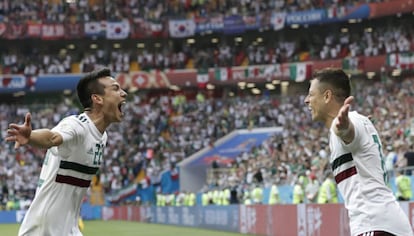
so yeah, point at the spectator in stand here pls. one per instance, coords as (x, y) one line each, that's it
(327, 191)
(403, 183)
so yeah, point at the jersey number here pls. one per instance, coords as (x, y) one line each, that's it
(98, 154)
(376, 140)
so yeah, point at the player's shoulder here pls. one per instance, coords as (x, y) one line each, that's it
(355, 116)
(75, 121)
(80, 118)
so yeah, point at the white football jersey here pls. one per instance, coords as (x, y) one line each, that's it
(65, 177)
(360, 174)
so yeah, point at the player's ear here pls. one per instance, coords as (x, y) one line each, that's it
(96, 99)
(327, 95)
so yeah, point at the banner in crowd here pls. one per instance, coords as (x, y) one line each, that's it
(182, 28)
(324, 16)
(202, 77)
(234, 24)
(253, 73)
(305, 17)
(117, 30)
(268, 220)
(53, 83)
(212, 24)
(278, 20)
(3, 28)
(143, 80)
(345, 13)
(300, 72)
(253, 22)
(222, 75)
(141, 28)
(15, 31)
(52, 31)
(45, 31)
(12, 83)
(224, 218)
(404, 60)
(122, 193)
(95, 28)
(74, 31)
(34, 29)
(387, 8)
(353, 65)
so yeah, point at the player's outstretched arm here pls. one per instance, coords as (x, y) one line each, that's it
(343, 126)
(23, 134)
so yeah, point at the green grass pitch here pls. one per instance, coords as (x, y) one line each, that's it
(124, 228)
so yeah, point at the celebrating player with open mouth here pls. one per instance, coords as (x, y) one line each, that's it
(75, 149)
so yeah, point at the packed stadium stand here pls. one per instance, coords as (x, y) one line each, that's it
(176, 112)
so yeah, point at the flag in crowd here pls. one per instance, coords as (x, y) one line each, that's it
(352, 64)
(278, 20)
(95, 28)
(404, 61)
(336, 12)
(223, 74)
(140, 27)
(253, 71)
(202, 77)
(181, 28)
(300, 71)
(123, 193)
(117, 30)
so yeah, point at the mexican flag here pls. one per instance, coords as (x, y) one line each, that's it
(300, 71)
(252, 72)
(223, 74)
(123, 193)
(403, 61)
(202, 77)
(351, 64)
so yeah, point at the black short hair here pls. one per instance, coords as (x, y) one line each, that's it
(336, 80)
(89, 85)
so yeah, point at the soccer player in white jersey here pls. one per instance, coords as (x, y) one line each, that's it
(75, 147)
(356, 158)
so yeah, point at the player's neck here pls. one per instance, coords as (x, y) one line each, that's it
(98, 119)
(330, 117)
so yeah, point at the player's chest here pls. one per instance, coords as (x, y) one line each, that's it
(91, 154)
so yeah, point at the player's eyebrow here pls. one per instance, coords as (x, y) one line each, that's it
(115, 85)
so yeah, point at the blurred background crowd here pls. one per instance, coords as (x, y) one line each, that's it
(175, 130)
(266, 46)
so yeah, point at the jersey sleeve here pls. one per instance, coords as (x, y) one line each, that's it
(359, 130)
(358, 127)
(69, 128)
(72, 133)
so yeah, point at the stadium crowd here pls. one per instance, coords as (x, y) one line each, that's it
(362, 42)
(160, 131)
(385, 36)
(96, 10)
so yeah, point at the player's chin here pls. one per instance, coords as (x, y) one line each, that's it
(119, 117)
(314, 117)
